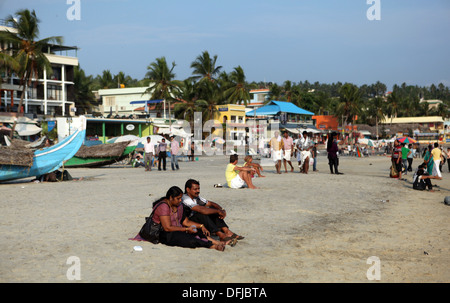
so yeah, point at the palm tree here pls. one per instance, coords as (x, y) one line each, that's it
(349, 99)
(238, 92)
(162, 83)
(186, 110)
(211, 97)
(84, 97)
(376, 110)
(394, 101)
(7, 62)
(26, 49)
(205, 67)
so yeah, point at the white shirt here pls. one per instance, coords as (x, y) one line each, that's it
(149, 147)
(304, 143)
(189, 202)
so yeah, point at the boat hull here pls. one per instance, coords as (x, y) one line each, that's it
(97, 162)
(47, 159)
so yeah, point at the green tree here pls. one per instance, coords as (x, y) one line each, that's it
(205, 67)
(239, 91)
(349, 103)
(27, 49)
(84, 97)
(162, 83)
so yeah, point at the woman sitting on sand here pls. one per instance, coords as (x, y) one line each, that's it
(178, 230)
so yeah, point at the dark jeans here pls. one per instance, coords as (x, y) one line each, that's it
(333, 163)
(212, 222)
(410, 160)
(162, 158)
(183, 239)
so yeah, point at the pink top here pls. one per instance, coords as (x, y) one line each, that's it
(288, 143)
(164, 210)
(174, 147)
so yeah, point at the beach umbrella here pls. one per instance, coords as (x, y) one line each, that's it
(406, 140)
(218, 140)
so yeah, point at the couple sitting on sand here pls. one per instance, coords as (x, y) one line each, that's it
(241, 176)
(188, 220)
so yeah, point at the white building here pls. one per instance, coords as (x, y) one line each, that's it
(50, 94)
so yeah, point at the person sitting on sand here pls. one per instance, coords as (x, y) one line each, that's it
(177, 230)
(249, 163)
(208, 213)
(238, 176)
(421, 179)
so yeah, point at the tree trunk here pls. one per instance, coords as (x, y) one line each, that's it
(18, 112)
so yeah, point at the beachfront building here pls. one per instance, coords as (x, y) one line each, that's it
(49, 95)
(425, 129)
(231, 119)
(283, 116)
(132, 102)
(258, 98)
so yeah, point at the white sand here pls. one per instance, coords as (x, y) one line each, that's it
(298, 228)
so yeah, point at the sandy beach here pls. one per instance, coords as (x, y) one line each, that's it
(298, 228)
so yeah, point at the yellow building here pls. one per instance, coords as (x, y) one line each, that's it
(232, 118)
(231, 113)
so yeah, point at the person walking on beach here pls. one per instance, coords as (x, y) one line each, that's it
(208, 213)
(314, 153)
(162, 154)
(332, 150)
(410, 157)
(405, 153)
(288, 150)
(437, 158)
(276, 144)
(428, 160)
(448, 158)
(149, 149)
(174, 148)
(396, 158)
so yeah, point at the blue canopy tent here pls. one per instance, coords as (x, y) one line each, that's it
(276, 107)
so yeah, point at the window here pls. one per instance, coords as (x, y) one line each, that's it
(109, 101)
(54, 92)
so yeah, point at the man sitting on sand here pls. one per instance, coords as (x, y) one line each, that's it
(249, 163)
(421, 179)
(238, 176)
(208, 213)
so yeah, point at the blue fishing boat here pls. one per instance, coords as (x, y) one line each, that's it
(47, 159)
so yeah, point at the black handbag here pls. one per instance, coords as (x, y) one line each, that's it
(150, 230)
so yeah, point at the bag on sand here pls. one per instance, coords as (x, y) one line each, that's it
(393, 173)
(150, 230)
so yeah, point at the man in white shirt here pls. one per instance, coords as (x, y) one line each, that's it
(149, 149)
(207, 213)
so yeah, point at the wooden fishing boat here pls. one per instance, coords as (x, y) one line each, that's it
(102, 154)
(24, 163)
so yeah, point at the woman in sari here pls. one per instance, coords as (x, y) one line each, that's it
(428, 160)
(177, 230)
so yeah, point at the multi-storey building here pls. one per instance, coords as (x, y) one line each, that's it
(51, 94)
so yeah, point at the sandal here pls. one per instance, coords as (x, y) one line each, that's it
(237, 236)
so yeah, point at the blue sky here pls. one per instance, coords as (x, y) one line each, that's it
(322, 40)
